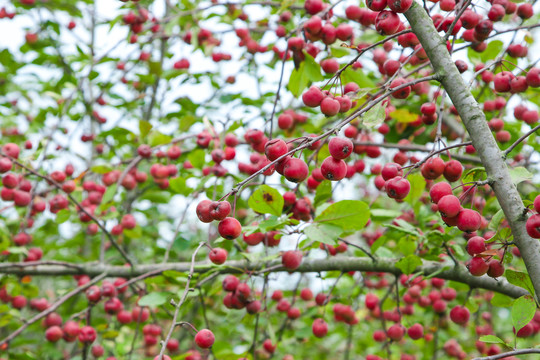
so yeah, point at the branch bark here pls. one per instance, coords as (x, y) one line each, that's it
(343, 264)
(510, 353)
(475, 122)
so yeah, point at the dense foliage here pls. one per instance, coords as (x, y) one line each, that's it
(258, 179)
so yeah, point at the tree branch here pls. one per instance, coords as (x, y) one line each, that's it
(412, 147)
(510, 353)
(344, 264)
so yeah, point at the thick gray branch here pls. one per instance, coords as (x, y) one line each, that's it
(475, 122)
(343, 264)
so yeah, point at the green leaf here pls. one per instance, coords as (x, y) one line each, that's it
(299, 80)
(383, 252)
(375, 116)
(492, 339)
(17, 250)
(347, 214)
(109, 194)
(62, 216)
(154, 299)
(407, 246)
(266, 200)
(357, 76)
(418, 184)
(178, 185)
(196, 158)
(474, 174)
(160, 197)
(144, 128)
(520, 174)
(186, 122)
(520, 279)
(312, 69)
(325, 233)
(472, 304)
(338, 52)
(501, 300)
(101, 169)
(522, 311)
(384, 213)
(269, 224)
(323, 192)
(403, 116)
(408, 264)
(403, 226)
(135, 233)
(496, 220)
(492, 50)
(157, 138)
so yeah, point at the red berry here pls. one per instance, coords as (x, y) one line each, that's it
(477, 266)
(340, 148)
(496, 268)
(230, 283)
(476, 245)
(453, 170)
(229, 228)
(319, 328)
(460, 315)
(54, 333)
(93, 293)
(313, 97)
(268, 346)
(218, 256)
(203, 211)
(275, 148)
(295, 170)
(291, 259)
(330, 106)
(396, 332)
(398, 188)
(333, 169)
(416, 331)
(87, 335)
(433, 168)
(219, 210)
(449, 206)
(399, 6)
(533, 226)
(204, 338)
(469, 220)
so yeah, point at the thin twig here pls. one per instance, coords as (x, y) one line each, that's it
(181, 302)
(510, 353)
(516, 143)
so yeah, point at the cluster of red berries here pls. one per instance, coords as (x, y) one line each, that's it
(506, 81)
(5, 14)
(529, 116)
(479, 29)
(451, 211)
(228, 227)
(329, 104)
(392, 181)
(15, 188)
(239, 295)
(334, 250)
(251, 44)
(289, 118)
